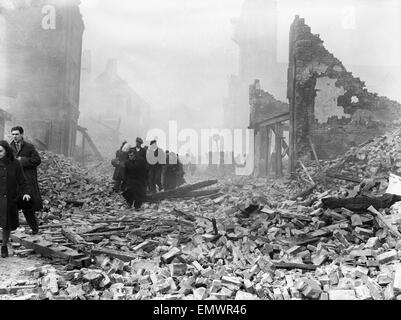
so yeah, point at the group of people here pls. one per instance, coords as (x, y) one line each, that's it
(19, 188)
(141, 170)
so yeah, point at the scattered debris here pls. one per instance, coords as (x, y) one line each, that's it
(249, 242)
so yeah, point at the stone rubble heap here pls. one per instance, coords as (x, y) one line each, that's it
(266, 246)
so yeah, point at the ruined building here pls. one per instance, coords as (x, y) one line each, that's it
(270, 122)
(110, 109)
(329, 109)
(40, 58)
(327, 103)
(255, 34)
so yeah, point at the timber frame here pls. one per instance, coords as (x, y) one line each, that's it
(265, 128)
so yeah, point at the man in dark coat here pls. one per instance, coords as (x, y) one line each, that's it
(118, 163)
(137, 174)
(139, 151)
(13, 186)
(155, 159)
(29, 159)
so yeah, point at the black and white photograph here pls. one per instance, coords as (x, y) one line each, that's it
(200, 155)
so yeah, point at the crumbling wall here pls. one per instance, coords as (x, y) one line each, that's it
(263, 106)
(327, 102)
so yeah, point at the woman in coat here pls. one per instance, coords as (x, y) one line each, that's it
(136, 173)
(12, 185)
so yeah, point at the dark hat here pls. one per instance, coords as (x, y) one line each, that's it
(139, 140)
(153, 142)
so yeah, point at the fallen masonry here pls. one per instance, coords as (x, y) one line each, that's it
(206, 248)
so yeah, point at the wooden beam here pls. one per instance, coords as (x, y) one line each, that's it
(197, 194)
(83, 146)
(180, 192)
(285, 152)
(291, 96)
(72, 236)
(343, 177)
(290, 266)
(272, 121)
(50, 249)
(122, 255)
(268, 151)
(306, 172)
(393, 230)
(93, 146)
(278, 147)
(314, 152)
(285, 146)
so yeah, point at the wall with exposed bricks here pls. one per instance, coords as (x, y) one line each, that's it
(329, 104)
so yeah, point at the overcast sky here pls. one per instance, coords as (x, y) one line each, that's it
(180, 51)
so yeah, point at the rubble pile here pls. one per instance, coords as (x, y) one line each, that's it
(249, 241)
(64, 182)
(285, 252)
(376, 158)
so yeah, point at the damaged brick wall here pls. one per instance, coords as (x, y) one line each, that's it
(263, 104)
(263, 107)
(43, 66)
(327, 102)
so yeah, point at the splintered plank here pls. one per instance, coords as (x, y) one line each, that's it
(47, 248)
(122, 255)
(290, 266)
(393, 230)
(72, 236)
(334, 175)
(180, 192)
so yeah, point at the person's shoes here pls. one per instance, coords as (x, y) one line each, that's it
(4, 252)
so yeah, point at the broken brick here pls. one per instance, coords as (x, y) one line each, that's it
(312, 289)
(178, 269)
(342, 295)
(397, 278)
(241, 295)
(387, 257)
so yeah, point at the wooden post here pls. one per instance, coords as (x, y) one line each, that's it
(314, 151)
(292, 95)
(83, 147)
(268, 151)
(278, 142)
(306, 172)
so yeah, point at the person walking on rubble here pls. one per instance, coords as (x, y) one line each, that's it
(155, 159)
(13, 189)
(29, 159)
(136, 173)
(118, 164)
(139, 151)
